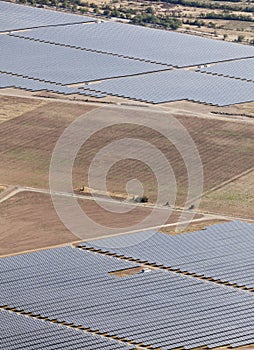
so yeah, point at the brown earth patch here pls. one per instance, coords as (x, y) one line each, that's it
(225, 150)
(27, 141)
(29, 221)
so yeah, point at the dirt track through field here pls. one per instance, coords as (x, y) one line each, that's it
(27, 142)
(29, 221)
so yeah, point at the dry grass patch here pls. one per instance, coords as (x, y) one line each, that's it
(12, 107)
(236, 198)
(192, 227)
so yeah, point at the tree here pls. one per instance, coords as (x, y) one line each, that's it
(149, 9)
(240, 38)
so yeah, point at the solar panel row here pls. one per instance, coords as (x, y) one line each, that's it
(20, 332)
(239, 69)
(58, 64)
(56, 259)
(174, 85)
(161, 46)
(9, 80)
(14, 17)
(96, 51)
(223, 252)
(157, 308)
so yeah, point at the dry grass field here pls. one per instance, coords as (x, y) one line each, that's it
(236, 198)
(225, 149)
(17, 107)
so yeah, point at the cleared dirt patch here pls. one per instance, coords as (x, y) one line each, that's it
(127, 272)
(29, 221)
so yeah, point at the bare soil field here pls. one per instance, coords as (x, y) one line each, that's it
(29, 221)
(27, 142)
(225, 150)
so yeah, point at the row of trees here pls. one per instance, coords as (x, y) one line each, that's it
(226, 16)
(161, 21)
(211, 5)
(135, 16)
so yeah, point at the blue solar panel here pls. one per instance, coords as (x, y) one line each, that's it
(9, 80)
(20, 332)
(14, 17)
(157, 308)
(223, 252)
(175, 85)
(154, 45)
(240, 69)
(59, 64)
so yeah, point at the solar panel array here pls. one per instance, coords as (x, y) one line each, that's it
(63, 65)
(240, 69)
(157, 308)
(9, 80)
(154, 45)
(128, 61)
(18, 332)
(14, 17)
(176, 85)
(223, 252)
(57, 259)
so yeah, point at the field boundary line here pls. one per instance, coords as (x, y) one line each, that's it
(143, 106)
(227, 182)
(148, 206)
